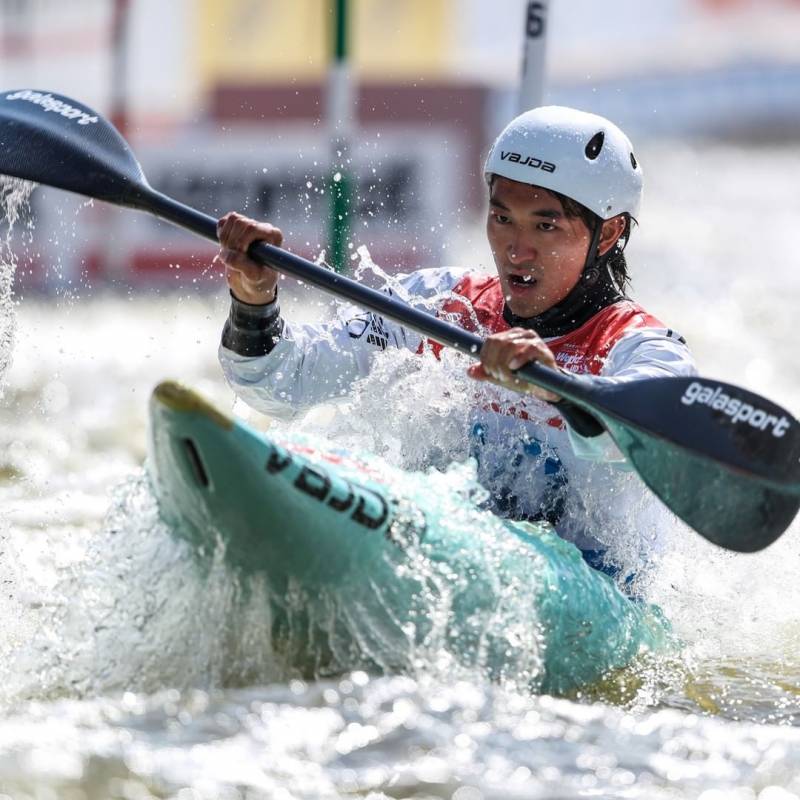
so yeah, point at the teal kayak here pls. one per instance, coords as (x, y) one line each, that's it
(364, 566)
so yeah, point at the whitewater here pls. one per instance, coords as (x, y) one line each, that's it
(123, 674)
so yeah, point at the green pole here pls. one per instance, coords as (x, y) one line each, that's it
(340, 119)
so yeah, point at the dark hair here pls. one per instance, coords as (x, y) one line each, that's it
(614, 259)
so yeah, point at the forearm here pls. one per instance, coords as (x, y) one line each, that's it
(282, 369)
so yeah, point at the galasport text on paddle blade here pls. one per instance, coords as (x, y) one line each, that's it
(734, 473)
(686, 442)
(51, 139)
(746, 431)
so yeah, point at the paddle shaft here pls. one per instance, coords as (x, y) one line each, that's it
(722, 458)
(567, 386)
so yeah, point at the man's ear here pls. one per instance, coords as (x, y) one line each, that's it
(612, 229)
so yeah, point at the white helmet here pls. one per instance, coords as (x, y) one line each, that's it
(582, 156)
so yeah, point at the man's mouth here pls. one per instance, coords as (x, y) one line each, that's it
(522, 280)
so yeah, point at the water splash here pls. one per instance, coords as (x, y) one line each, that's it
(14, 200)
(130, 610)
(409, 410)
(735, 614)
(380, 738)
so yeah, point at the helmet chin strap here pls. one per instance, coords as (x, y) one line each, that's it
(590, 271)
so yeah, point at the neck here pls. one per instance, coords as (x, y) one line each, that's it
(594, 291)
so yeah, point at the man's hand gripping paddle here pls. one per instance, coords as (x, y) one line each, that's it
(725, 460)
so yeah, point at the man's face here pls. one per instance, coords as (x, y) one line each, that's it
(539, 252)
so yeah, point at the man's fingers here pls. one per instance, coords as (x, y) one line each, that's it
(231, 232)
(249, 280)
(238, 232)
(224, 229)
(238, 262)
(504, 353)
(528, 353)
(501, 357)
(480, 373)
(515, 334)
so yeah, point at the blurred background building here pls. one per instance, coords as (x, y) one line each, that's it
(224, 102)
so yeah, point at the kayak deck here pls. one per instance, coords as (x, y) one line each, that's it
(367, 566)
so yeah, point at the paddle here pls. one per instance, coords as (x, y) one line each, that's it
(725, 460)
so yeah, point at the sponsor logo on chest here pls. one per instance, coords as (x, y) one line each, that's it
(575, 360)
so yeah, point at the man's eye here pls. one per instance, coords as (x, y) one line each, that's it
(546, 226)
(501, 218)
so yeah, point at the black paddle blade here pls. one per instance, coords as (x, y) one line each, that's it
(725, 460)
(51, 139)
(727, 507)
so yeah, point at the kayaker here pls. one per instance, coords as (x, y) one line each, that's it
(564, 191)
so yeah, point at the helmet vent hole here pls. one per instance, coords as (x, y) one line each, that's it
(634, 162)
(595, 145)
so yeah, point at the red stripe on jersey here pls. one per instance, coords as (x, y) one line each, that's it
(479, 304)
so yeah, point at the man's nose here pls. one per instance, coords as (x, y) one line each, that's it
(520, 249)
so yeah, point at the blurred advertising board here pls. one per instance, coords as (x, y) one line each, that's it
(409, 187)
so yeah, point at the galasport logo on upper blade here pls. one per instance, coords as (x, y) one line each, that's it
(530, 161)
(736, 409)
(49, 103)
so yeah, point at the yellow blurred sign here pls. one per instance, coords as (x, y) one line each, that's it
(256, 41)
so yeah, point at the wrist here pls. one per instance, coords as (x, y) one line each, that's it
(252, 329)
(259, 299)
